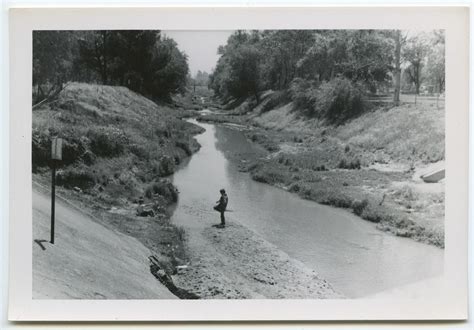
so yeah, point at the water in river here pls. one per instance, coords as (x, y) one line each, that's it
(356, 258)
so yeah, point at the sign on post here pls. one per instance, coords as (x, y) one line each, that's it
(56, 155)
(57, 149)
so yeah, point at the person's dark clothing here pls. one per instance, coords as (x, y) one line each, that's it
(221, 207)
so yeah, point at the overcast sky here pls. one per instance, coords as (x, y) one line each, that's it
(200, 46)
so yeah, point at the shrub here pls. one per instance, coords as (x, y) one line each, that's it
(72, 151)
(268, 176)
(264, 141)
(184, 146)
(164, 189)
(140, 151)
(295, 187)
(74, 177)
(107, 141)
(359, 206)
(303, 94)
(354, 164)
(407, 193)
(41, 148)
(336, 100)
(371, 214)
(339, 99)
(167, 166)
(320, 168)
(337, 200)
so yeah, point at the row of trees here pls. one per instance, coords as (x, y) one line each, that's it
(142, 60)
(423, 56)
(370, 60)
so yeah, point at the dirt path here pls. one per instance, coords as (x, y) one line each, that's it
(235, 263)
(87, 261)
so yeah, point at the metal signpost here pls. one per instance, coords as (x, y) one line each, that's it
(56, 155)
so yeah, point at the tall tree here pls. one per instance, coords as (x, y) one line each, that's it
(52, 61)
(397, 70)
(414, 53)
(96, 52)
(435, 63)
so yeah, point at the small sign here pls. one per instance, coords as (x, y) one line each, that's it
(57, 149)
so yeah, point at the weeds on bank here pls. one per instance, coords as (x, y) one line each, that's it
(345, 189)
(115, 141)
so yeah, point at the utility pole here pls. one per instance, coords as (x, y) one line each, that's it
(56, 156)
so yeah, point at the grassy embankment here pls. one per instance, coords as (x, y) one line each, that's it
(119, 147)
(370, 164)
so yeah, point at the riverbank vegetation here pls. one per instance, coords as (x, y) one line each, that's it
(328, 74)
(324, 105)
(118, 149)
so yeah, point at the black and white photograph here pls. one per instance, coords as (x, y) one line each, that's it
(242, 167)
(247, 164)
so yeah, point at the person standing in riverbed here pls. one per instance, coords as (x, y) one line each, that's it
(221, 206)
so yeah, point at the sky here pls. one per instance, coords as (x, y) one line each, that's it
(200, 46)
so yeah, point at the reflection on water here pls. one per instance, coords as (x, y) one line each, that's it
(349, 252)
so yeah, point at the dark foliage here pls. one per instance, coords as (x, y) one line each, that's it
(141, 60)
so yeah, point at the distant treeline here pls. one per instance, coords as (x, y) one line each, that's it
(328, 72)
(142, 60)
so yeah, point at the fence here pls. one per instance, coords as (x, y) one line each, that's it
(437, 101)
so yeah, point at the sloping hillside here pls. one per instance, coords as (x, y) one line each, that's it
(87, 261)
(118, 149)
(116, 141)
(405, 134)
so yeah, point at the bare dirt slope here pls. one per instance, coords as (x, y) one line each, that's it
(87, 261)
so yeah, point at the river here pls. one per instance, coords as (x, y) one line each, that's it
(355, 257)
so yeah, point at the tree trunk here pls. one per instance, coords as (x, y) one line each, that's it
(417, 71)
(396, 95)
(255, 92)
(104, 61)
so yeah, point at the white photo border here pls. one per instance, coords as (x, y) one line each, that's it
(450, 295)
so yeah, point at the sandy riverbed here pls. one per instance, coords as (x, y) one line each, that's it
(236, 263)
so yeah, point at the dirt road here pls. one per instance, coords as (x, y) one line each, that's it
(87, 261)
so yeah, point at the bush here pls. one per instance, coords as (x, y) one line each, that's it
(336, 100)
(107, 141)
(337, 200)
(371, 214)
(269, 176)
(74, 177)
(303, 93)
(295, 187)
(264, 141)
(164, 189)
(359, 206)
(167, 166)
(184, 146)
(41, 148)
(320, 168)
(140, 151)
(354, 164)
(73, 149)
